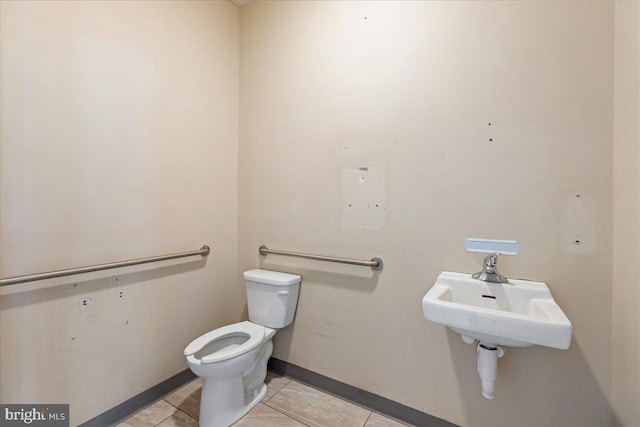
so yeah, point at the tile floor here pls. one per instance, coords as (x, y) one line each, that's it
(287, 404)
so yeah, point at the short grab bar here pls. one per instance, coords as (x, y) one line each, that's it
(203, 251)
(374, 263)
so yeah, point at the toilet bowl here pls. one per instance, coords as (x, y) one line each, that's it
(232, 360)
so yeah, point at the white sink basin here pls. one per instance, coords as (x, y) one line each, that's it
(520, 313)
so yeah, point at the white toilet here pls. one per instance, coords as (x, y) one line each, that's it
(232, 359)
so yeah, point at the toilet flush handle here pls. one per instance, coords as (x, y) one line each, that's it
(283, 293)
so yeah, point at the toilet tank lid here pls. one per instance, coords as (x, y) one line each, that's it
(271, 277)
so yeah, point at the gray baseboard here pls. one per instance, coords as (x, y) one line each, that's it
(129, 407)
(358, 396)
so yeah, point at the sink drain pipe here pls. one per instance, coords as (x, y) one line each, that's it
(488, 356)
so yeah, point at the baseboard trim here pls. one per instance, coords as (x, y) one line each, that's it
(345, 391)
(129, 407)
(358, 396)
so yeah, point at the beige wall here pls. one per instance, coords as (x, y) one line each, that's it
(626, 220)
(411, 87)
(119, 140)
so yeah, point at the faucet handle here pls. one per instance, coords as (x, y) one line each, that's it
(489, 272)
(491, 260)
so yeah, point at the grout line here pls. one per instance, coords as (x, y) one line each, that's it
(359, 397)
(286, 384)
(353, 402)
(130, 407)
(169, 415)
(367, 420)
(171, 404)
(342, 399)
(189, 416)
(286, 415)
(263, 402)
(330, 393)
(178, 410)
(279, 390)
(147, 407)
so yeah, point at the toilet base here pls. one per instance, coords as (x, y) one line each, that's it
(226, 399)
(220, 416)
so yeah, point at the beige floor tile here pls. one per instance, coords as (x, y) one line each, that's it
(377, 420)
(151, 416)
(274, 384)
(316, 408)
(263, 416)
(187, 398)
(179, 419)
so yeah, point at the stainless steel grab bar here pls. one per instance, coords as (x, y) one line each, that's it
(375, 263)
(203, 251)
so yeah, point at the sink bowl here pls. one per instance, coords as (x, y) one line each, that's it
(520, 313)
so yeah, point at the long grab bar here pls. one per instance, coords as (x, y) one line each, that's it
(374, 263)
(203, 251)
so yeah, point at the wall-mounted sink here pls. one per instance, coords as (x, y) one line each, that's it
(519, 313)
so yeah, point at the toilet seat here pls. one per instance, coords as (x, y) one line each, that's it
(248, 336)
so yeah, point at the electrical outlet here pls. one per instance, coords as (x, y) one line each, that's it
(85, 302)
(121, 293)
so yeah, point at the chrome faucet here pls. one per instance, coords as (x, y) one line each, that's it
(489, 273)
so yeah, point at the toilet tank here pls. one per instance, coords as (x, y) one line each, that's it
(272, 297)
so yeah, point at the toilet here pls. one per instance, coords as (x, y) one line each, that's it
(232, 359)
